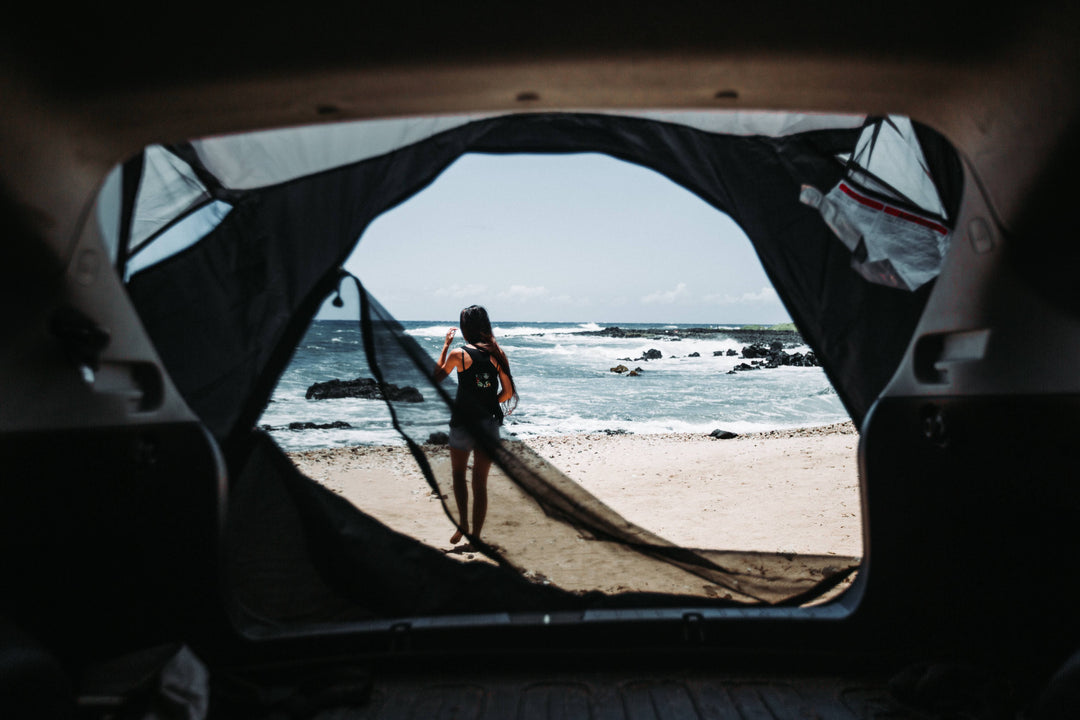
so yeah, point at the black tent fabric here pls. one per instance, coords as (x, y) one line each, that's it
(299, 555)
(227, 312)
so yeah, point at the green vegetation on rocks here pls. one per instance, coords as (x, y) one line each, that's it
(780, 327)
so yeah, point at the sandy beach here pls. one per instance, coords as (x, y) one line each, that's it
(790, 491)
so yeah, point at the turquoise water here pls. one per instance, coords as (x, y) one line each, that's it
(565, 386)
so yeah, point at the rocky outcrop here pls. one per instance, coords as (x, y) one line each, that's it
(720, 434)
(743, 366)
(650, 354)
(767, 351)
(363, 388)
(789, 338)
(775, 356)
(335, 425)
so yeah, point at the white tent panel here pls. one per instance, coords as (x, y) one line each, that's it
(168, 190)
(107, 210)
(896, 157)
(270, 157)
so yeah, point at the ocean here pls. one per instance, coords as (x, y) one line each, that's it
(565, 384)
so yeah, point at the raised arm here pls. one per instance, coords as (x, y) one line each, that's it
(448, 360)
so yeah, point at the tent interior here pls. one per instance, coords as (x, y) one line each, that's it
(848, 214)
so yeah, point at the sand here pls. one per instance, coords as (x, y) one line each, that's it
(792, 491)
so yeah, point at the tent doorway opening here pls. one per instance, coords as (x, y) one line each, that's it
(849, 215)
(656, 367)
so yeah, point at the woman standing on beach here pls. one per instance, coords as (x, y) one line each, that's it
(485, 388)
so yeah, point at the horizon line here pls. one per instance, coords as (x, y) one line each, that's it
(578, 322)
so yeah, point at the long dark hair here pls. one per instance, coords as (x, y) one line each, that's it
(476, 329)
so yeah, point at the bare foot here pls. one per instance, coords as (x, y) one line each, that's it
(456, 538)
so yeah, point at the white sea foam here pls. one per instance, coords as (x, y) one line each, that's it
(565, 386)
(501, 331)
(430, 330)
(537, 331)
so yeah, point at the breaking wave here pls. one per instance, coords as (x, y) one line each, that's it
(565, 384)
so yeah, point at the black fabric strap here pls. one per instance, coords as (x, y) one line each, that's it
(131, 178)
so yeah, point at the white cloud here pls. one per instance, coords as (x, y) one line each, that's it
(461, 291)
(523, 292)
(764, 295)
(666, 297)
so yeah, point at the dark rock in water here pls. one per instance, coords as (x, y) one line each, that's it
(620, 369)
(756, 350)
(694, 354)
(617, 431)
(363, 388)
(774, 357)
(633, 373)
(732, 353)
(336, 425)
(614, 331)
(650, 354)
(718, 353)
(438, 438)
(722, 434)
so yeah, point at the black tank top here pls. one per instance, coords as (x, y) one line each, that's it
(477, 390)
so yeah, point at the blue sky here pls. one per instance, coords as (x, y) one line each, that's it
(575, 238)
